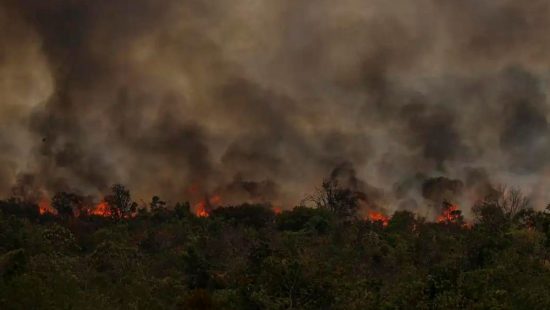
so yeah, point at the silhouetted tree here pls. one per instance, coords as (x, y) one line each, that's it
(65, 203)
(120, 202)
(509, 200)
(19, 208)
(491, 216)
(403, 221)
(255, 215)
(302, 218)
(182, 209)
(156, 204)
(341, 201)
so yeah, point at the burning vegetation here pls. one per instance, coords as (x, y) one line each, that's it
(257, 249)
(101, 209)
(451, 213)
(44, 207)
(342, 194)
(344, 202)
(378, 217)
(233, 112)
(205, 206)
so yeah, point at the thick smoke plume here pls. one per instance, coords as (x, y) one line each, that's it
(260, 100)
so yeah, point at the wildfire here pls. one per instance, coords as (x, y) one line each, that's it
(378, 217)
(44, 207)
(277, 210)
(202, 209)
(101, 209)
(450, 214)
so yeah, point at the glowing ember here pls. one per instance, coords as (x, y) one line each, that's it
(101, 209)
(450, 214)
(378, 217)
(277, 210)
(44, 207)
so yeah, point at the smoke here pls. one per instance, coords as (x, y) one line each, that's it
(263, 99)
(442, 189)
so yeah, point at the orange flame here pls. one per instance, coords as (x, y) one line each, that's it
(450, 214)
(277, 210)
(101, 209)
(202, 208)
(44, 207)
(378, 217)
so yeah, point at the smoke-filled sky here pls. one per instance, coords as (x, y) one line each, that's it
(260, 100)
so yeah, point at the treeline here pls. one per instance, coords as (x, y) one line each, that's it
(250, 257)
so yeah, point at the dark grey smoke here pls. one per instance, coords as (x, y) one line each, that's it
(524, 137)
(261, 101)
(441, 189)
(369, 197)
(241, 190)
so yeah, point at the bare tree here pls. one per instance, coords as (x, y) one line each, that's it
(120, 202)
(341, 201)
(509, 200)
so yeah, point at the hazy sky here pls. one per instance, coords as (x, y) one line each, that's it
(260, 100)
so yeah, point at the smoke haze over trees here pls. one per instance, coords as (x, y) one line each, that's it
(274, 154)
(261, 100)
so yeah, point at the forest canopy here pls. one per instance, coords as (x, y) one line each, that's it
(119, 255)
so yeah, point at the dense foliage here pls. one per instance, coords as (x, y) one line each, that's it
(248, 257)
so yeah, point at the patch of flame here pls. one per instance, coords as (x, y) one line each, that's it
(44, 207)
(101, 209)
(378, 217)
(202, 208)
(450, 214)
